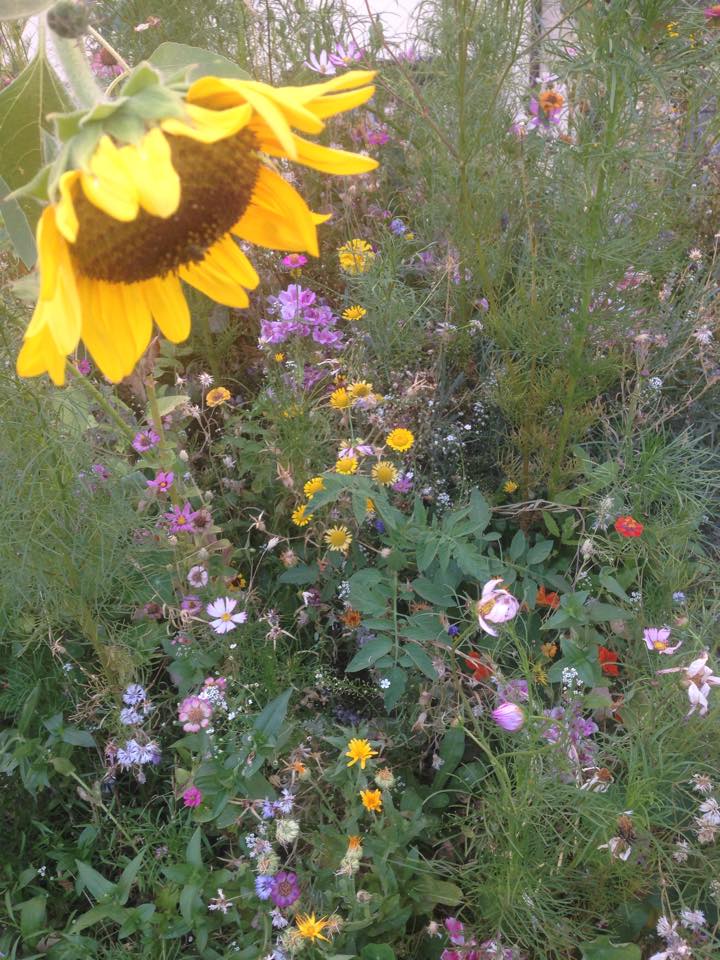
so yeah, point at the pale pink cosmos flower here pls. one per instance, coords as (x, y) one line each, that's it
(496, 605)
(321, 63)
(656, 638)
(194, 714)
(698, 680)
(509, 716)
(222, 611)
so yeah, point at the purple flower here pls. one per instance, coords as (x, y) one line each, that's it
(83, 366)
(294, 300)
(285, 890)
(100, 471)
(134, 694)
(286, 801)
(264, 886)
(192, 797)
(453, 630)
(128, 755)
(321, 63)
(397, 227)
(191, 604)
(268, 809)
(327, 336)
(344, 56)
(197, 576)
(656, 638)
(513, 690)
(543, 117)
(181, 519)
(404, 483)
(293, 261)
(456, 930)
(150, 753)
(162, 482)
(509, 716)
(130, 717)
(145, 440)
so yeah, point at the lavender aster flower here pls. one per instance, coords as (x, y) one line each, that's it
(264, 887)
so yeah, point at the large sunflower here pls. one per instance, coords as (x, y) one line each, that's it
(133, 219)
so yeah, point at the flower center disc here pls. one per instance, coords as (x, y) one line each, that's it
(217, 181)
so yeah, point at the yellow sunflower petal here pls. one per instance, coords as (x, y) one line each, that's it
(320, 158)
(48, 244)
(227, 258)
(38, 355)
(138, 317)
(58, 306)
(273, 117)
(340, 102)
(169, 307)
(105, 331)
(278, 217)
(108, 184)
(343, 81)
(67, 221)
(149, 164)
(209, 126)
(204, 276)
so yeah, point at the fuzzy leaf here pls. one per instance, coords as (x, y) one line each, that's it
(173, 58)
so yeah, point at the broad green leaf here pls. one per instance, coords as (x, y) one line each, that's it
(377, 951)
(18, 228)
(369, 654)
(302, 575)
(434, 891)
(32, 916)
(421, 660)
(480, 511)
(451, 753)
(398, 682)
(518, 545)
(612, 586)
(471, 562)
(93, 881)
(18, 9)
(169, 403)
(601, 612)
(425, 553)
(602, 948)
(369, 591)
(541, 551)
(128, 876)
(269, 721)
(78, 738)
(24, 107)
(438, 593)
(193, 852)
(101, 911)
(28, 710)
(172, 58)
(550, 523)
(188, 899)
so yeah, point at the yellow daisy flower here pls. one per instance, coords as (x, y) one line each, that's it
(299, 517)
(338, 538)
(360, 751)
(311, 928)
(131, 220)
(385, 473)
(216, 396)
(356, 256)
(359, 390)
(400, 439)
(313, 486)
(339, 399)
(279, 357)
(354, 313)
(510, 486)
(371, 800)
(346, 466)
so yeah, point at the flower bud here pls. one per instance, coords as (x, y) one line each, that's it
(68, 19)
(509, 716)
(385, 778)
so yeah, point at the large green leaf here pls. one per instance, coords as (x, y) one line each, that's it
(173, 58)
(17, 9)
(601, 948)
(367, 655)
(269, 721)
(18, 228)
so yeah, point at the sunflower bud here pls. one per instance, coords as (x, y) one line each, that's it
(68, 19)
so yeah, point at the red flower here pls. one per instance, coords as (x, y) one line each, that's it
(609, 661)
(481, 670)
(628, 527)
(545, 598)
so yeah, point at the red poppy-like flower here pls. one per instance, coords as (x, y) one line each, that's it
(545, 598)
(609, 661)
(480, 668)
(628, 527)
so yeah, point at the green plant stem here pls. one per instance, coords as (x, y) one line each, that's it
(166, 458)
(103, 402)
(79, 76)
(110, 49)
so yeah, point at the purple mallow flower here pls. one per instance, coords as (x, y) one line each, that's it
(285, 889)
(162, 482)
(181, 519)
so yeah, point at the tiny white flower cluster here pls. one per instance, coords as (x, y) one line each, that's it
(676, 946)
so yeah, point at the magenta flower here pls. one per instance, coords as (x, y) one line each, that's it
(656, 638)
(162, 482)
(456, 931)
(194, 714)
(192, 797)
(293, 261)
(345, 56)
(191, 604)
(224, 619)
(509, 716)
(294, 300)
(712, 14)
(145, 440)
(404, 483)
(83, 366)
(285, 889)
(181, 519)
(496, 605)
(100, 471)
(321, 63)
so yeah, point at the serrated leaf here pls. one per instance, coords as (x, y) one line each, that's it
(173, 58)
(369, 654)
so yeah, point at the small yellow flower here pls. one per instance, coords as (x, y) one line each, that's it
(510, 486)
(216, 396)
(370, 506)
(311, 928)
(346, 466)
(279, 357)
(409, 235)
(338, 538)
(339, 399)
(238, 582)
(354, 845)
(385, 473)
(313, 486)
(540, 674)
(670, 27)
(356, 256)
(355, 312)
(359, 390)
(360, 750)
(400, 439)
(299, 517)
(549, 650)
(372, 800)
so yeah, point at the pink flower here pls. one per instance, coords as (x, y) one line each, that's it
(293, 261)
(321, 63)
(509, 716)
(192, 797)
(224, 619)
(194, 714)
(495, 605)
(345, 56)
(656, 638)
(698, 680)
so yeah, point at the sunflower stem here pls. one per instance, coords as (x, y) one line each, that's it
(102, 402)
(75, 66)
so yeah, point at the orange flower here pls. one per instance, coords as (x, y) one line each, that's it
(351, 618)
(628, 527)
(609, 661)
(545, 598)
(480, 668)
(551, 100)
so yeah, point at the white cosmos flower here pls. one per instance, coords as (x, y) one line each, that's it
(224, 619)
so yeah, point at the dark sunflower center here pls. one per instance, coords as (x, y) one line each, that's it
(217, 181)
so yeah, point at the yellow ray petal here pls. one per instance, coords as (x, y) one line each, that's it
(38, 355)
(105, 330)
(67, 221)
(108, 184)
(149, 164)
(266, 109)
(58, 306)
(137, 313)
(338, 103)
(204, 277)
(48, 241)
(277, 216)
(343, 81)
(209, 126)
(228, 259)
(168, 306)
(314, 155)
